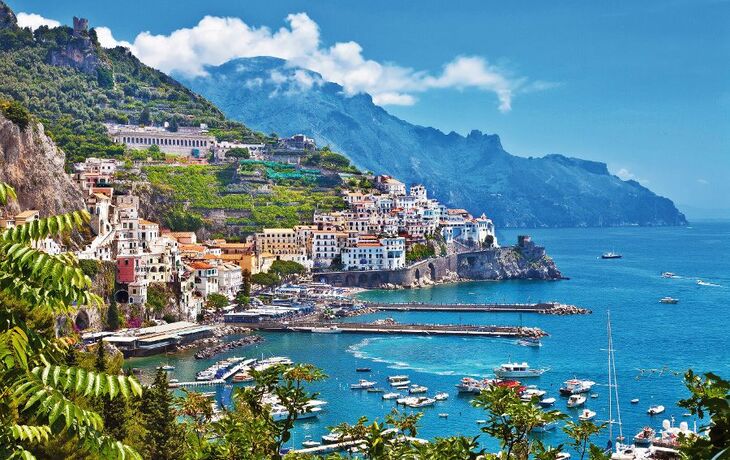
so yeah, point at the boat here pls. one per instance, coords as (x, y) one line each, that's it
(668, 275)
(530, 342)
(472, 385)
(335, 437)
(167, 367)
(707, 283)
(635, 401)
(545, 427)
(416, 389)
(399, 380)
(362, 385)
(562, 456)
(481, 422)
(326, 330)
(586, 415)
(644, 437)
(444, 415)
(242, 376)
(280, 413)
(517, 371)
(576, 400)
(406, 399)
(576, 386)
(547, 402)
(173, 381)
(530, 393)
(611, 255)
(594, 395)
(668, 299)
(654, 410)
(363, 369)
(391, 396)
(309, 442)
(421, 402)
(443, 396)
(376, 390)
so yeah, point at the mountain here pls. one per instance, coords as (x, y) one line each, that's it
(473, 171)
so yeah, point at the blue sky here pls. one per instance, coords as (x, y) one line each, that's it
(643, 86)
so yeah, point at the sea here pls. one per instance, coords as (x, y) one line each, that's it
(654, 343)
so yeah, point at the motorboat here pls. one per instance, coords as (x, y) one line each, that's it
(417, 389)
(562, 456)
(670, 300)
(668, 275)
(391, 395)
(472, 385)
(174, 381)
(280, 413)
(421, 402)
(406, 399)
(547, 402)
(326, 330)
(242, 377)
(443, 396)
(635, 401)
(576, 386)
(444, 415)
(363, 369)
(654, 410)
(399, 380)
(545, 427)
(309, 442)
(167, 367)
(530, 342)
(594, 395)
(644, 437)
(611, 255)
(532, 392)
(335, 437)
(362, 385)
(576, 400)
(706, 283)
(376, 390)
(586, 415)
(517, 371)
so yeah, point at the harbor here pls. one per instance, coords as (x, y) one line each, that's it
(546, 308)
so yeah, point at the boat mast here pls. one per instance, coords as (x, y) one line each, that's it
(612, 383)
(615, 384)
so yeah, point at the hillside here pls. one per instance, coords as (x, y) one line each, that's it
(73, 85)
(471, 171)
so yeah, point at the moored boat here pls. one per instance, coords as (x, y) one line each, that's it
(654, 410)
(635, 401)
(362, 369)
(576, 386)
(472, 385)
(644, 437)
(669, 300)
(327, 330)
(399, 380)
(611, 255)
(547, 402)
(517, 371)
(586, 415)
(416, 389)
(576, 400)
(362, 384)
(421, 402)
(443, 396)
(391, 395)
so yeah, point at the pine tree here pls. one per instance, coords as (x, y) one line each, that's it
(113, 411)
(161, 438)
(246, 278)
(112, 316)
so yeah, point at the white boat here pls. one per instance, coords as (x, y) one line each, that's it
(544, 427)
(530, 393)
(529, 342)
(399, 380)
(576, 400)
(441, 396)
(586, 415)
(421, 402)
(654, 410)
(444, 415)
(362, 385)
(547, 402)
(611, 255)
(635, 401)
(391, 396)
(416, 389)
(668, 275)
(517, 371)
(594, 395)
(334, 437)
(167, 367)
(174, 381)
(327, 330)
(405, 400)
(280, 413)
(576, 386)
(563, 456)
(471, 385)
(308, 442)
(670, 300)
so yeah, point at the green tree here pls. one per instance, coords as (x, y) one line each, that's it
(144, 117)
(16, 112)
(41, 397)
(419, 252)
(709, 398)
(159, 297)
(216, 301)
(246, 282)
(113, 411)
(239, 152)
(112, 316)
(162, 438)
(287, 268)
(265, 279)
(580, 434)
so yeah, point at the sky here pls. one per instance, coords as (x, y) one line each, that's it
(643, 86)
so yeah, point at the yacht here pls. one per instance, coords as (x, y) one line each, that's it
(611, 255)
(406, 399)
(362, 385)
(576, 400)
(308, 442)
(586, 415)
(576, 386)
(668, 299)
(416, 389)
(421, 402)
(471, 385)
(644, 437)
(654, 410)
(399, 380)
(517, 371)
(391, 396)
(532, 392)
(443, 396)
(547, 402)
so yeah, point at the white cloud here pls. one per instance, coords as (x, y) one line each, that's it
(703, 181)
(34, 21)
(215, 40)
(107, 40)
(625, 174)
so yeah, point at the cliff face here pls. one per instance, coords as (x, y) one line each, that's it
(79, 52)
(527, 261)
(33, 165)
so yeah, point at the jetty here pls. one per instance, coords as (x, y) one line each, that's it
(412, 329)
(545, 308)
(197, 383)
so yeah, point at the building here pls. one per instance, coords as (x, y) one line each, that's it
(206, 278)
(186, 141)
(390, 186)
(371, 253)
(326, 246)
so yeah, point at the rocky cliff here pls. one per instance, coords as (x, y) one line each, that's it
(33, 165)
(523, 261)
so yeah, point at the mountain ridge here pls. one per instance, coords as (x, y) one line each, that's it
(270, 94)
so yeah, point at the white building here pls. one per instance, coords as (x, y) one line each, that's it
(229, 279)
(185, 141)
(206, 278)
(370, 253)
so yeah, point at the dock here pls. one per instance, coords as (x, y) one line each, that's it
(545, 308)
(197, 383)
(412, 329)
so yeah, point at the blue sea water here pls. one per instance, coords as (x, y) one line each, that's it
(655, 343)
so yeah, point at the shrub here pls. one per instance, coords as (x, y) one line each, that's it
(16, 112)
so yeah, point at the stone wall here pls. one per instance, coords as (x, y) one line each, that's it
(522, 261)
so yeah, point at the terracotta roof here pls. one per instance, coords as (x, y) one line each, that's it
(200, 265)
(192, 247)
(147, 222)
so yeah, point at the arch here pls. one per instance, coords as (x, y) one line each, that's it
(349, 280)
(375, 280)
(121, 296)
(418, 274)
(82, 320)
(432, 269)
(362, 279)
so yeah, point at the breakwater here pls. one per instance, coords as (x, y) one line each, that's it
(412, 329)
(545, 308)
(226, 346)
